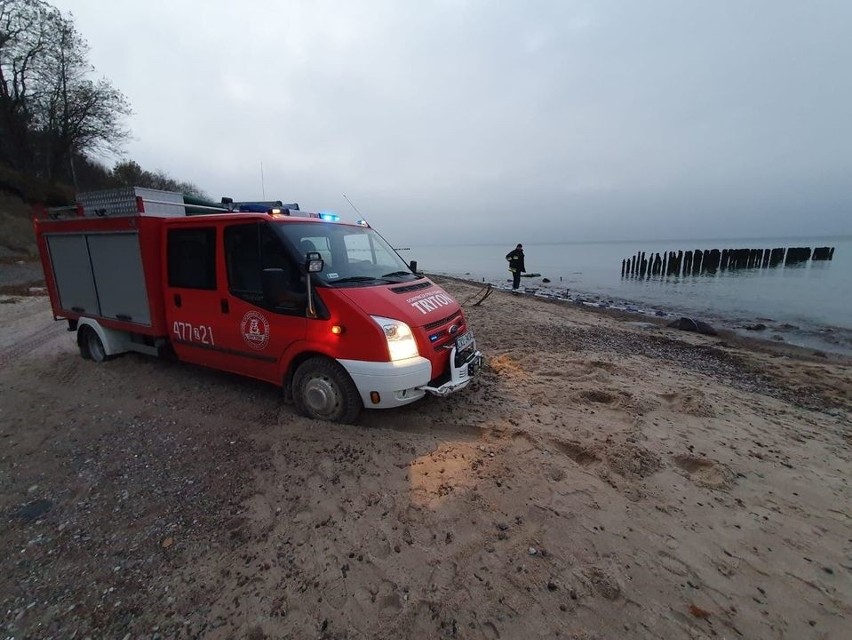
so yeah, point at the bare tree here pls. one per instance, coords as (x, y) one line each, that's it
(77, 114)
(49, 105)
(24, 31)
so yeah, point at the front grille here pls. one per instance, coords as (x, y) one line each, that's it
(412, 287)
(438, 323)
(443, 339)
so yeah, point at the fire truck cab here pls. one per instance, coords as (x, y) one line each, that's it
(328, 310)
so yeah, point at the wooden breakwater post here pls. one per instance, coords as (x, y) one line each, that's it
(699, 259)
(710, 261)
(823, 253)
(776, 257)
(795, 255)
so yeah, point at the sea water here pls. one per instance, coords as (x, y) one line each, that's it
(807, 304)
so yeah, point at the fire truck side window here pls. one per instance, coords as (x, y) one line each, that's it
(192, 258)
(249, 249)
(242, 255)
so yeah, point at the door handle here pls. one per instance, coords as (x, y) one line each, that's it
(177, 300)
(225, 307)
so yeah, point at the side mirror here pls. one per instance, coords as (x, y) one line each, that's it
(275, 285)
(313, 262)
(413, 266)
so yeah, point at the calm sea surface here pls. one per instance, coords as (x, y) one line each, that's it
(809, 304)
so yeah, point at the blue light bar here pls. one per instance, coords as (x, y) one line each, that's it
(329, 217)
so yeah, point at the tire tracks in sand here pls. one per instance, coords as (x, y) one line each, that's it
(32, 341)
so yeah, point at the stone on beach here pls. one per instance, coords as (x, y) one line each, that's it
(697, 326)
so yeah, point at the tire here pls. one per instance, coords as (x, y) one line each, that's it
(91, 347)
(323, 390)
(82, 342)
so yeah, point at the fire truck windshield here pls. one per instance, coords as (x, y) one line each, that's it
(353, 255)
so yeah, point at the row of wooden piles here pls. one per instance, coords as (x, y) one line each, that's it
(696, 262)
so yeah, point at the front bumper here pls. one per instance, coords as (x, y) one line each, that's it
(398, 383)
(461, 373)
(401, 383)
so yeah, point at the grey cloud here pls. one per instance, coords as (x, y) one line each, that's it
(578, 120)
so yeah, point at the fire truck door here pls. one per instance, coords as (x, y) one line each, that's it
(254, 330)
(192, 295)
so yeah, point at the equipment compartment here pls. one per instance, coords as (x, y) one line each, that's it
(100, 275)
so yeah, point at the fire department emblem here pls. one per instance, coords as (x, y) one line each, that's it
(255, 330)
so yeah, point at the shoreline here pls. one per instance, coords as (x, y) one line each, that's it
(770, 335)
(21, 274)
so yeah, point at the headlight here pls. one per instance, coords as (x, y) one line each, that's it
(401, 343)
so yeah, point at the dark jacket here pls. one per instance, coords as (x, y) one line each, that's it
(516, 260)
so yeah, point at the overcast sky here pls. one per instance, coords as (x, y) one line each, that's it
(462, 121)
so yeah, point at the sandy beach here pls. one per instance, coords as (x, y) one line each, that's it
(602, 478)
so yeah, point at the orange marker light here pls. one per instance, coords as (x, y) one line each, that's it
(375, 398)
(337, 329)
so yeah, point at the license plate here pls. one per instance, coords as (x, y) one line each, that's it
(464, 341)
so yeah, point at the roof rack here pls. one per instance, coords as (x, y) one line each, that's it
(141, 201)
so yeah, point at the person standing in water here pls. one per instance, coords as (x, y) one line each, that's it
(516, 266)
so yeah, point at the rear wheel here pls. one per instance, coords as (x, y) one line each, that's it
(91, 346)
(82, 334)
(322, 389)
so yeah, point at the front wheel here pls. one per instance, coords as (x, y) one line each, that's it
(322, 389)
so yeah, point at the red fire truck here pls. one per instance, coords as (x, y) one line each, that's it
(325, 309)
